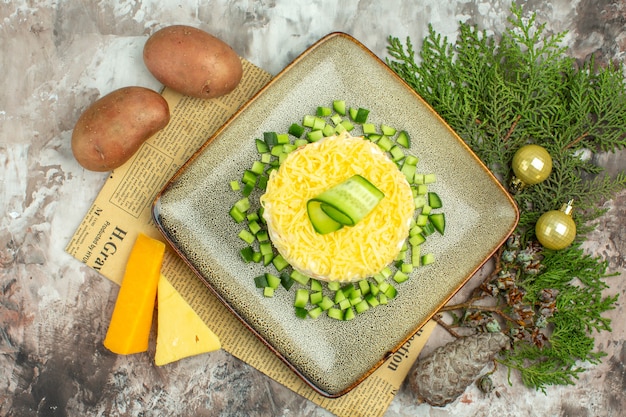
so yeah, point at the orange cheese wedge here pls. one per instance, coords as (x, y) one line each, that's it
(129, 329)
(181, 332)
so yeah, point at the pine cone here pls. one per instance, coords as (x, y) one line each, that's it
(443, 376)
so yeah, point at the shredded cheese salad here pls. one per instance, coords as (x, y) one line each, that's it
(351, 253)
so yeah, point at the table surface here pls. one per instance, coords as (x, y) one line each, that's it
(57, 57)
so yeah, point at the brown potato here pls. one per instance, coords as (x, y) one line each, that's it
(113, 128)
(192, 62)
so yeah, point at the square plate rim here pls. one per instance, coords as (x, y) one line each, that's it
(325, 39)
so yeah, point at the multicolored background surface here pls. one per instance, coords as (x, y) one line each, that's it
(56, 57)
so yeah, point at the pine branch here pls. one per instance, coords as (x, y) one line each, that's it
(499, 94)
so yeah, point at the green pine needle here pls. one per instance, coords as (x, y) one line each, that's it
(501, 93)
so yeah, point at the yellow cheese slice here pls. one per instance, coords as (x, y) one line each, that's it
(181, 332)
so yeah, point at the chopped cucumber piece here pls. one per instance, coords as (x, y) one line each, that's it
(273, 281)
(411, 160)
(428, 229)
(420, 201)
(237, 215)
(385, 143)
(318, 123)
(430, 178)
(391, 291)
(383, 299)
(421, 220)
(438, 220)
(397, 154)
(316, 285)
(335, 313)
(246, 236)
(315, 135)
(267, 259)
(257, 167)
(328, 130)
(260, 281)
(268, 292)
(262, 236)
(416, 259)
(247, 254)
(361, 306)
(266, 248)
(355, 300)
(428, 258)
(249, 178)
(279, 262)
(334, 285)
(277, 150)
(340, 107)
(301, 298)
(316, 297)
(296, 130)
(261, 146)
(364, 286)
(323, 111)
(299, 277)
(387, 130)
(372, 300)
(315, 312)
(308, 121)
(361, 115)
(408, 170)
(374, 288)
(404, 139)
(282, 138)
(266, 157)
(369, 129)
(349, 314)
(254, 227)
(417, 240)
(340, 296)
(344, 304)
(434, 200)
(286, 281)
(271, 139)
(301, 312)
(243, 204)
(347, 125)
(326, 303)
(400, 277)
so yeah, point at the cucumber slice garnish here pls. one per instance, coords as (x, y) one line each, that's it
(346, 203)
(322, 222)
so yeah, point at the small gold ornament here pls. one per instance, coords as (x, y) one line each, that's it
(531, 165)
(556, 229)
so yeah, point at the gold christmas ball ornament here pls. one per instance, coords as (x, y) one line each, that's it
(556, 229)
(531, 165)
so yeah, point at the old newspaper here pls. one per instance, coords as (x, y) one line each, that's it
(122, 210)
